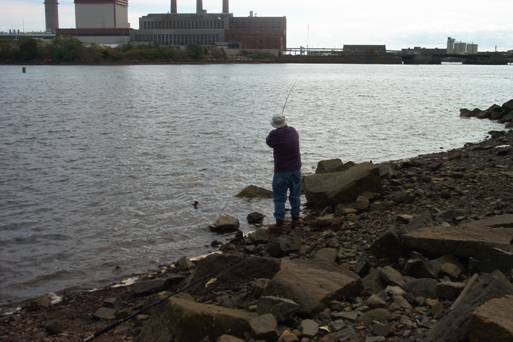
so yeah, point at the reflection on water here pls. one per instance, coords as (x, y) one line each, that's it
(100, 165)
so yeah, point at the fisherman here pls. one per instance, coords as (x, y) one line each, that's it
(284, 140)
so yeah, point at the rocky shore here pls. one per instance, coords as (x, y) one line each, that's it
(411, 250)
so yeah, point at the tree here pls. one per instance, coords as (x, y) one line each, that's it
(27, 49)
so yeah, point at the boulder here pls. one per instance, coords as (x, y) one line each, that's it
(309, 328)
(231, 271)
(259, 236)
(313, 284)
(283, 246)
(253, 191)
(493, 321)
(392, 276)
(332, 165)
(466, 113)
(341, 187)
(379, 315)
(448, 290)
(462, 241)
(448, 265)
(328, 255)
(388, 245)
(508, 117)
(225, 224)
(255, 218)
(456, 325)
(422, 288)
(104, 313)
(181, 320)
(145, 287)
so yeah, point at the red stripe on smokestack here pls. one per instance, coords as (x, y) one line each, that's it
(226, 6)
(174, 8)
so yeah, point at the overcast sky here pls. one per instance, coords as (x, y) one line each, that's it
(396, 23)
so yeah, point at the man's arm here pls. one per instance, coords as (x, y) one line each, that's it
(270, 139)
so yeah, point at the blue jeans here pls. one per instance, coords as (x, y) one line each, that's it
(282, 182)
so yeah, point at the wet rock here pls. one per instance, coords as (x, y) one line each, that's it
(332, 165)
(53, 327)
(264, 327)
(399, 197)
(107, 314)
(112, 302)
(493, 321)
(259, 236)
(312, 284)
(288, 336)
(448, 265)
(503, 150)
(448, 290)
(255, 218)
(388, 245)
(362, 266)
(379, 315)
(241, 270)
(373, 283)
(328, 255)
(184, 264)
(283, 246)
(455, 326)
(225, 224)
(392, 276)
(375, 301)
(229, 338)
(280, 308)
(309, 328)
(180, 320)
(253, 191)
(342, 187)
(422, 288)
(508, 106)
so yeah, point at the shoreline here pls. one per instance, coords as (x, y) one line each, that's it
(413, 189)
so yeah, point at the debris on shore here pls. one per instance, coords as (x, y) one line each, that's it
(412, 250)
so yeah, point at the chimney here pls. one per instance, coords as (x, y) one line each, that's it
(199, 6)
(52, 15)
(226, 6)
(174, 9)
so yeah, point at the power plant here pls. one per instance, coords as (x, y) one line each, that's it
(106, 22)
(52, 15)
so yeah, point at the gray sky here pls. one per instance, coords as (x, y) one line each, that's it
(397, 23)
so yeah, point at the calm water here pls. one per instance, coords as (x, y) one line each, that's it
(99, 166)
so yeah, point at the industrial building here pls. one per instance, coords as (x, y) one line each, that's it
(212, 29)
(461, 48)
(52, 16)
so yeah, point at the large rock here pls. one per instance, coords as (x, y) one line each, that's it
(253, 191)
(280, 308)
(225, 224)
(264, 327)
(181, 320)
(463, 241)
(342, 187)
(313, 284)
(332, 165)
(508, 106)
(493, 321)
(231, 271)
(456, 325)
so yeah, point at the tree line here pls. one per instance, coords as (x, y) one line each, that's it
(65, 49)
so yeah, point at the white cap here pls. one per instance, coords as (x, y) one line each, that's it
(279, 121)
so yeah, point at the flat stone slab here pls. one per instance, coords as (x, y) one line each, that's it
(493, 321)
(313, 284)
(463, 241)
(181, 320)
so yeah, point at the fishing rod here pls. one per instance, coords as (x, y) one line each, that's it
(287, 98)
(161, 301)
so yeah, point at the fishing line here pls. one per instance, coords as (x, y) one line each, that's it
(288, 95)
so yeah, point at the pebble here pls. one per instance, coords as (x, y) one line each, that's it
(309, 328)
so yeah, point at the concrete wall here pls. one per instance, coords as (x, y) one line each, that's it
(94, 16)
(122, 17)
(104, 40)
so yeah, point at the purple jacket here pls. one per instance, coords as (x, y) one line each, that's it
(285, 143)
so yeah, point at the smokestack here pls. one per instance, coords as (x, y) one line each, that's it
(226, 6)
(52, 15)
(199, 6)
(174, 8)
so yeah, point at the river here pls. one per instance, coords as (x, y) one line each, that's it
(100, 165)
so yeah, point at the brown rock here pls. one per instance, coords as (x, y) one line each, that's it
(493, 321)
(342, 187)
(313, 284)
(264, 327)
(180, 320)
(253, 191)
(225, 224)
(332, 165)
(229, 338)
(392, 276)
(288, 336)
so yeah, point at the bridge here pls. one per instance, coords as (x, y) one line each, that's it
(19, 35)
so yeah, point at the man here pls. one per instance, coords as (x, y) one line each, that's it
(284, 140)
